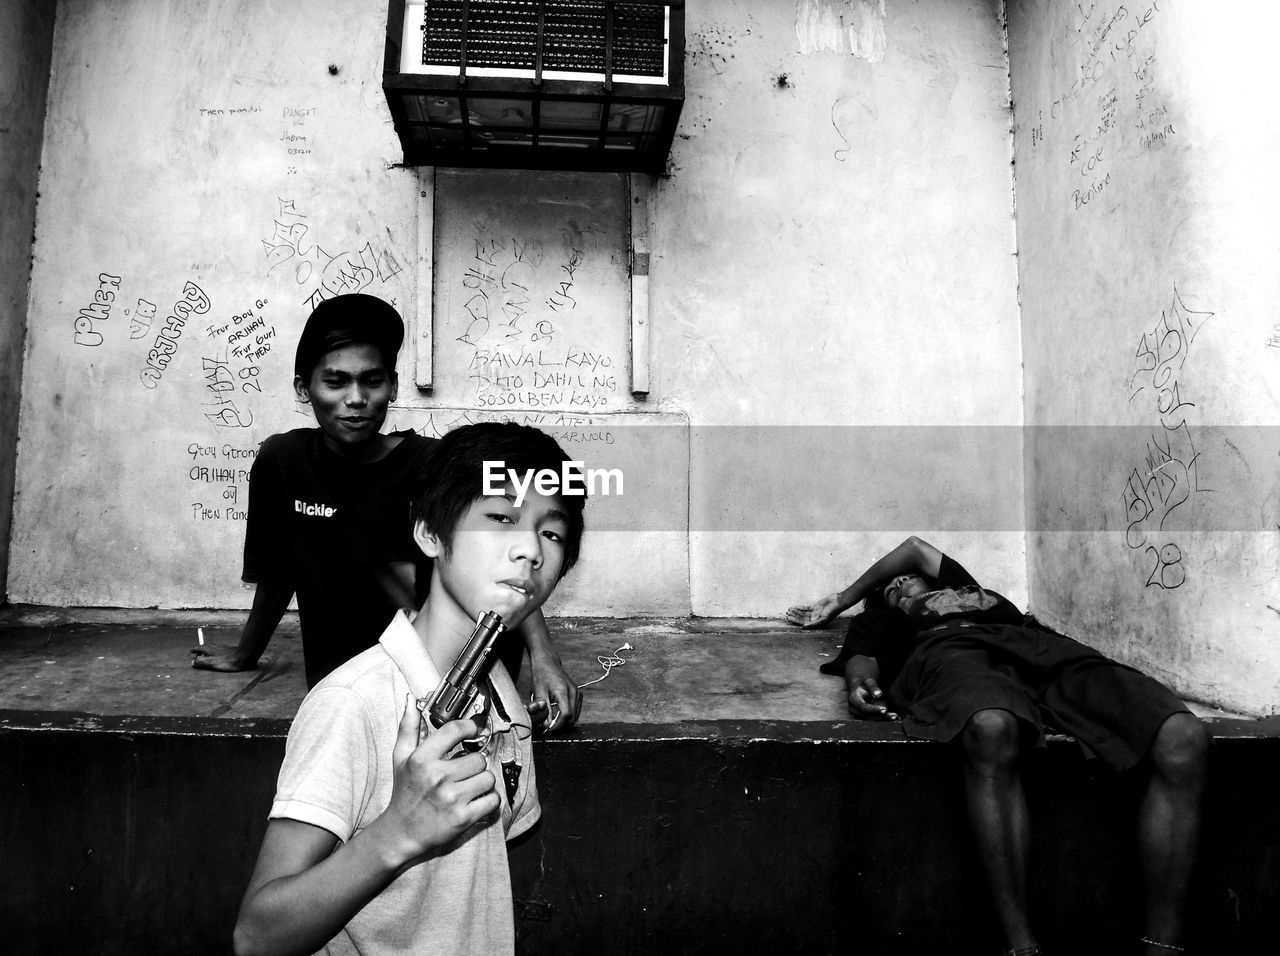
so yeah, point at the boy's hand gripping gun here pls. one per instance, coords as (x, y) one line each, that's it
(458, 688)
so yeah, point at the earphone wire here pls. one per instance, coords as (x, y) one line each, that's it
(609, 663)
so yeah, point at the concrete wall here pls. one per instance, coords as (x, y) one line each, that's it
(26, 41)
(832, 288)
(834, 248)
(204, 171)
(1146, 136)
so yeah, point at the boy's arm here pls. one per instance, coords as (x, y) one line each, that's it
(270, 600)
(862, 679)
(551, 683)
(304, 890)
(913, 555)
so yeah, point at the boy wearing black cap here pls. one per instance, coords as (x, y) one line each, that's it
(329, 509)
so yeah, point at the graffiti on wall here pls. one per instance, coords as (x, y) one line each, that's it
(218, 475)
(1168, 479)
(193, 302)
(231, 366)
(1110, 94)
(294, 247)
(517, 303)
(97, 311)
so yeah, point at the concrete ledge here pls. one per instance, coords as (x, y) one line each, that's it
(714, 799)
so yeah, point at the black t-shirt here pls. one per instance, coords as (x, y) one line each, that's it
(890, 634)
(322, 525)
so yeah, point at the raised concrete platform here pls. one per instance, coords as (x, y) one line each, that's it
(715, 797)
(686, 670)
(683, 671)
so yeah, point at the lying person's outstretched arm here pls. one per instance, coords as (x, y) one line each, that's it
(913, 556)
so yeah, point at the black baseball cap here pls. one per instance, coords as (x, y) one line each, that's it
(347, 320)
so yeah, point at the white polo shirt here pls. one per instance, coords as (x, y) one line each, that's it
(337, 774)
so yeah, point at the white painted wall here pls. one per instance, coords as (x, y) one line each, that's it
(1146, 139)
(832, 282)
(835, 248)
(170, 167)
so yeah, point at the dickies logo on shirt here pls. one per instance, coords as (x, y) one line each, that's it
(313, 510)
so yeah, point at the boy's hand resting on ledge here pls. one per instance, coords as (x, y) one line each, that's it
(820, 612)
(209, 658)
(866, 700)
(557, 701)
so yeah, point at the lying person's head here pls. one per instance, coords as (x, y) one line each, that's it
(489, 554)
(894, 591)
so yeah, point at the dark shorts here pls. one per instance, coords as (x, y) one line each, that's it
(1043, 678)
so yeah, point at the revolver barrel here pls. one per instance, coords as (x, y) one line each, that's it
(459, 687)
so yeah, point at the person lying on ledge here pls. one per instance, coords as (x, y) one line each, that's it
(962, 663)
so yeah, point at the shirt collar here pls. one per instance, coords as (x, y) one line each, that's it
(404, 646)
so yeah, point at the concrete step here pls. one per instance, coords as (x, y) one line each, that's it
(714, 798)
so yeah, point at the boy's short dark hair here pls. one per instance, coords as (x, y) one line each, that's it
(453, 477)
(353, 319)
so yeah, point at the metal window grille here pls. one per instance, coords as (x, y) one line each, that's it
(538, 84)
(571, 35)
